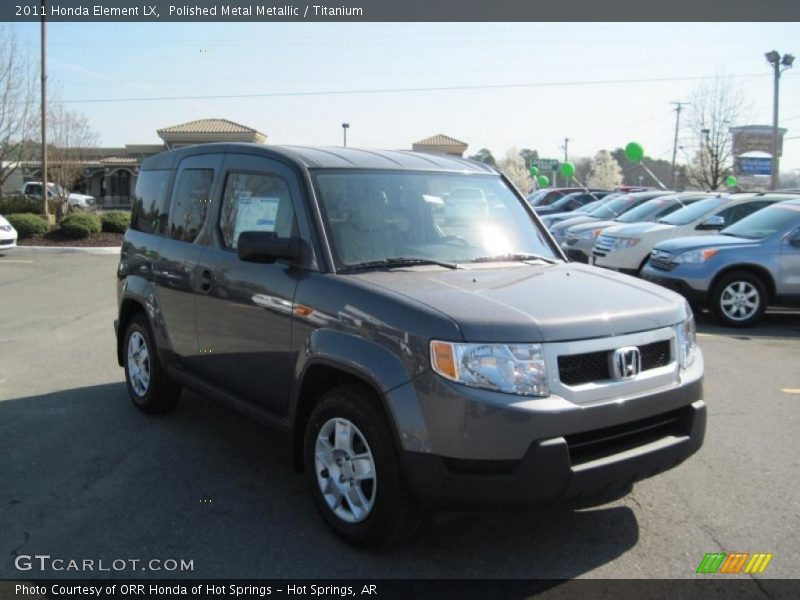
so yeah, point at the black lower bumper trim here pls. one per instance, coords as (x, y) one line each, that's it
(546, 474)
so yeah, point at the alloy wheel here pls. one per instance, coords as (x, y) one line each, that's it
(138, 364)
(345, 470)
(739, 300)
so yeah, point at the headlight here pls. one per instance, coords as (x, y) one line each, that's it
(687, 340)
(696, 256)
(589, 235)
(511, 368)
(622, 243)
(5, 227)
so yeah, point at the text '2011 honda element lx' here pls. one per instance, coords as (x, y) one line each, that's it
(422, 354)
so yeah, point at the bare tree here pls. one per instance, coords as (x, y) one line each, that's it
(716, 105)
(17, 97)
(71, 144)
(512, 165)
(605, 172)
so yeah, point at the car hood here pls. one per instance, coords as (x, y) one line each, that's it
(571, 222)
(525, 303)
(683, 244)
(637, 229)
(592, 225)
(74, 196)
(3, 221)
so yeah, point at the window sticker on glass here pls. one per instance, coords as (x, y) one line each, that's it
(255, 213)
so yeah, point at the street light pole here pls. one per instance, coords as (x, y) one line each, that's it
(774, 58)
(45, 189)
(345, 127)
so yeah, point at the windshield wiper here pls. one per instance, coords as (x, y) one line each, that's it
(398, 261)
(514, 256)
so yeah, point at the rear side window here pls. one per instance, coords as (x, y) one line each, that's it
(192, 197)
(149, 211)
(255, 202)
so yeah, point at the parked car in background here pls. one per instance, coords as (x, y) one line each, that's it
(8, 235)
(610, 210)
(738, 273)
(580, 239)
(33, 189)
(553, 218)
(547, 196)
(629, 246)
(571, 202)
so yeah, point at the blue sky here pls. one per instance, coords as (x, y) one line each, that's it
(91, 61)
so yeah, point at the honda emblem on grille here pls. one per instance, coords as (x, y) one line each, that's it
(627, 362)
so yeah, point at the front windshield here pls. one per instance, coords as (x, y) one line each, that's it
(765, 222)
(613, 209)
(563, 201)
(382, 215)
(645, 212)
(696, 211)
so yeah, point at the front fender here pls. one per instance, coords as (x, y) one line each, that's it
(385, 372)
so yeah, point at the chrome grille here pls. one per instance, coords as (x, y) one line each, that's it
(604, 244)
(661, 260)
(578, 369)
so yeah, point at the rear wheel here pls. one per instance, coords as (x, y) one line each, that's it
(739, 299)
(147, 383)
(353, 470)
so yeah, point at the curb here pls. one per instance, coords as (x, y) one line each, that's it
(68, 249)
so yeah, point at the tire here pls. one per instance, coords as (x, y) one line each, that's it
(738, 299)
(383, 511)
(145, 379)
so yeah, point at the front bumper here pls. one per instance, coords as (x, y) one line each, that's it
(549, 471)
(491, 457)
(677, 284)
(626, 260)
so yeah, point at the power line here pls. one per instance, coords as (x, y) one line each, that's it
(538, 84)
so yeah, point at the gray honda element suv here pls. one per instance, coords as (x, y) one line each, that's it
(410, 323)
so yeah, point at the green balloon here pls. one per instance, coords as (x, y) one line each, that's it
(567, 169)
(731, 181)
(634, 152)
(542, 181)
(534, 171)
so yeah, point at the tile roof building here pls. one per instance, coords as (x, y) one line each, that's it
(442, 144)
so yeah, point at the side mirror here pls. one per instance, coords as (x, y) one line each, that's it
(267, 247)
(715, 222)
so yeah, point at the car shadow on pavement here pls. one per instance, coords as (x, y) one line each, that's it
(87, 476)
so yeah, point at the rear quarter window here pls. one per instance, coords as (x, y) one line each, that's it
(149, 211)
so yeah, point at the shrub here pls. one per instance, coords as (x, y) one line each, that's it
(27, 225)
(15, 205)
(80, 225)
(115, 221)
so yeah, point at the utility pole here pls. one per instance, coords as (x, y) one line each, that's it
(345, 127)
(678, 107)
(45, 188)
(566, 157)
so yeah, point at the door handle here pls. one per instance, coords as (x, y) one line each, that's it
(205, 280)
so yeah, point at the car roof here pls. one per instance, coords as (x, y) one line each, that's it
(313, 157)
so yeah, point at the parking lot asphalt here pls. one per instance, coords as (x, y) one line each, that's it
(84, 475)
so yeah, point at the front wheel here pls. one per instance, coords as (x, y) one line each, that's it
(353, 470)
(739, 299)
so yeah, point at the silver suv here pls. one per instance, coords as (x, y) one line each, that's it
(738, 273)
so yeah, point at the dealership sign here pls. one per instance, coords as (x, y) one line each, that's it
(754, 165)
(545, 164)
